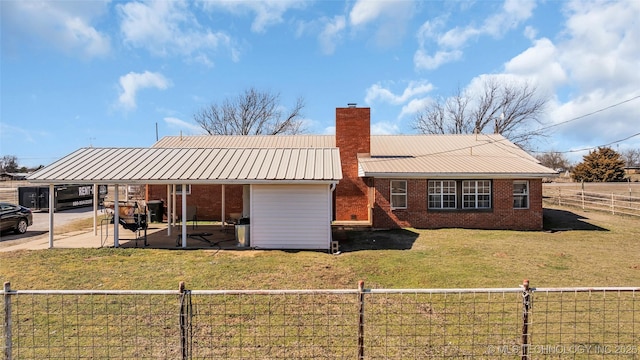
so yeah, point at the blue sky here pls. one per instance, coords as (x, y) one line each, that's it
(106, 73)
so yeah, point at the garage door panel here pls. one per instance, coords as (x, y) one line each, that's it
(290, 216)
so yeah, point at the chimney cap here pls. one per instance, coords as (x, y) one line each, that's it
(352, 105)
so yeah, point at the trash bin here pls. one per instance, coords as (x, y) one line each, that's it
(156, 208)
(242, 235)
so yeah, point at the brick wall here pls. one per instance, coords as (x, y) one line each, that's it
(502, 215)
(353, 137)
(206, 199)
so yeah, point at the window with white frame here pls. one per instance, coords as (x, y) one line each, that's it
(476, 194)
(179, 189)
(442, 194)
(398, 194)
(521, 194)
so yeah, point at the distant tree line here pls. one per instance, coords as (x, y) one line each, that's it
(601, 165)
(9, 164)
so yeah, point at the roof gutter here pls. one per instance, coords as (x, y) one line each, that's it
(412, 175)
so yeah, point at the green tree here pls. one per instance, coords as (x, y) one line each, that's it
(602, 165)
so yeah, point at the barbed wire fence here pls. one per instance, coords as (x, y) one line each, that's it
(502, 323)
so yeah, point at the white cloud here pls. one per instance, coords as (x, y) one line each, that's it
(133, 82)
(413, 107)
(451, 42)
(384, 94)
(267, 12)
(540, 64)
(331, 34)
(389, 17)
(62, 25)
(366, 11)
(593, 65)
(167, 28)
(422, 60)
(605, 37)
(384, 128)
(189, 128)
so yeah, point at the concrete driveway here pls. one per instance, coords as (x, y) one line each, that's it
(40, 227)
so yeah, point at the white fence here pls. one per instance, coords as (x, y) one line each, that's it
(590, 200)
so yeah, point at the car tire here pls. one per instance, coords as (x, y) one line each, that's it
(21, 227)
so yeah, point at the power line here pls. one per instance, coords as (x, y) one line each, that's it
(589, 114)
(590, 148)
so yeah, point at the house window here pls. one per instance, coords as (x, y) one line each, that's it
(442, 194)
(476, 194)
(521, 194)
(179, 189)
(398, 194)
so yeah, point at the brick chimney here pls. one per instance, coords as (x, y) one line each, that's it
(353, 137)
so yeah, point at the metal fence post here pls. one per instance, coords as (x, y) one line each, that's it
(185, 321)
(361, 320)
(7, 321)
(526, 305)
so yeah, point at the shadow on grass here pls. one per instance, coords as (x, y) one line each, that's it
(563, 220)
(357, 240)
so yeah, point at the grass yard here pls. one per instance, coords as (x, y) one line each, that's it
(584, 249)
(590, 249)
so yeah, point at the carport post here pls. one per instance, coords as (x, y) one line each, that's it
(95, 209)
(222, 210)
(168, 210)
(116, 217)
(52, 205)
(184, 215)
(173, 205)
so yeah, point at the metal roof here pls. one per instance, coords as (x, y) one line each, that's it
(449, 156)
(247, 141)
(193, 166)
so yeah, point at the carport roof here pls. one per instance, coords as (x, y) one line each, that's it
(193, 166)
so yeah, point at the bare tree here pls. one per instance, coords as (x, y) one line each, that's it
(9, 163)
(554, 160)
(253, 112)
(511, 107)
(631, 157)
(445, 116)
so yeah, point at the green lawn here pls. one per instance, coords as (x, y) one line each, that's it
(591, 249)
(585, 249)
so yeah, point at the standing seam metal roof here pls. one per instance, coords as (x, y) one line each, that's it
(193, 165)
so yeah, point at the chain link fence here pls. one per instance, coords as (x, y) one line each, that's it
(511, 323)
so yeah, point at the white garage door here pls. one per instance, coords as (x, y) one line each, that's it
(290, 217)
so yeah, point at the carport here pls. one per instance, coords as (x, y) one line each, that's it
(290, 189)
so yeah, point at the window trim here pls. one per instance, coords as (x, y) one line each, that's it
(441, 194)
(526, 195)
(475, 194)
(392, 194)
(179, 189)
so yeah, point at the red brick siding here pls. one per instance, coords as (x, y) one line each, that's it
(352, 138)
(206, 198)
(501, 216)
